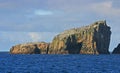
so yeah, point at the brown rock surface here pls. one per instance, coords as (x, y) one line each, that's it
(30, 48)
(92, 39)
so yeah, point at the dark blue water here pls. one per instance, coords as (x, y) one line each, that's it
(37, 63)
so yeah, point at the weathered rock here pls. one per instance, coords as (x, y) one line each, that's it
(44, 47)
(92, 39)
(30, 48)
(116, 50)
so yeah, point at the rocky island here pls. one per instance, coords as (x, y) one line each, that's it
(116, 50)
(91, 39)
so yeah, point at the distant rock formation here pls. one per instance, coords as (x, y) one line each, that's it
(30, 48)
(116, 50)
(92, 39)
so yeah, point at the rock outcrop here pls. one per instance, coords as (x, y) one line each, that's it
(30, 48)
(92, 39)
(116, 50)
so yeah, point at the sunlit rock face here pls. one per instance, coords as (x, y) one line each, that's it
(116, 50)
(91, 39)
(30, 48)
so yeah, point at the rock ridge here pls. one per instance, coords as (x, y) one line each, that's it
(30, 48)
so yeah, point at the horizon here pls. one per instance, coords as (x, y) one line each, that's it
(40, 20)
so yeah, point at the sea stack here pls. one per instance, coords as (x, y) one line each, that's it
(92, 39)
(116, 50)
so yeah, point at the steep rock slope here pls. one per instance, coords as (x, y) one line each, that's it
(116, 50)
(92, 39)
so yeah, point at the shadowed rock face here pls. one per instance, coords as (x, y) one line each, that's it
(92, 39)
(116, 50)
(30, 48)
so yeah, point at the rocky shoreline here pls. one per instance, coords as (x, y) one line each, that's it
(91, 39)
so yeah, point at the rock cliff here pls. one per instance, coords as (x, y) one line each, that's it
(30, 48)
(116, 50)
(92, 39)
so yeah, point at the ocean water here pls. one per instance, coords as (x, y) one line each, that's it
(37, 63)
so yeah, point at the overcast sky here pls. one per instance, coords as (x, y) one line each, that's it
(40, 20)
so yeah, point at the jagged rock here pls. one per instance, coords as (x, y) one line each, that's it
(92, 39)
(116, 50)
(30, 48)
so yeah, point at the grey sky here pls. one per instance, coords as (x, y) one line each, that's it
(40, 20)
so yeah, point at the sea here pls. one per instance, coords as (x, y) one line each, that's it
(57, 63)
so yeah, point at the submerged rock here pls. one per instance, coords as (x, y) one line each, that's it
(116, 50)
(30, 48)
(92, 39)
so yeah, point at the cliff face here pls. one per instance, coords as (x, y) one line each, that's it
(92, 39)
(30, 48)
(116, 50)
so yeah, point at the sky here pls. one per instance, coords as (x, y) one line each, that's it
(24, 21)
